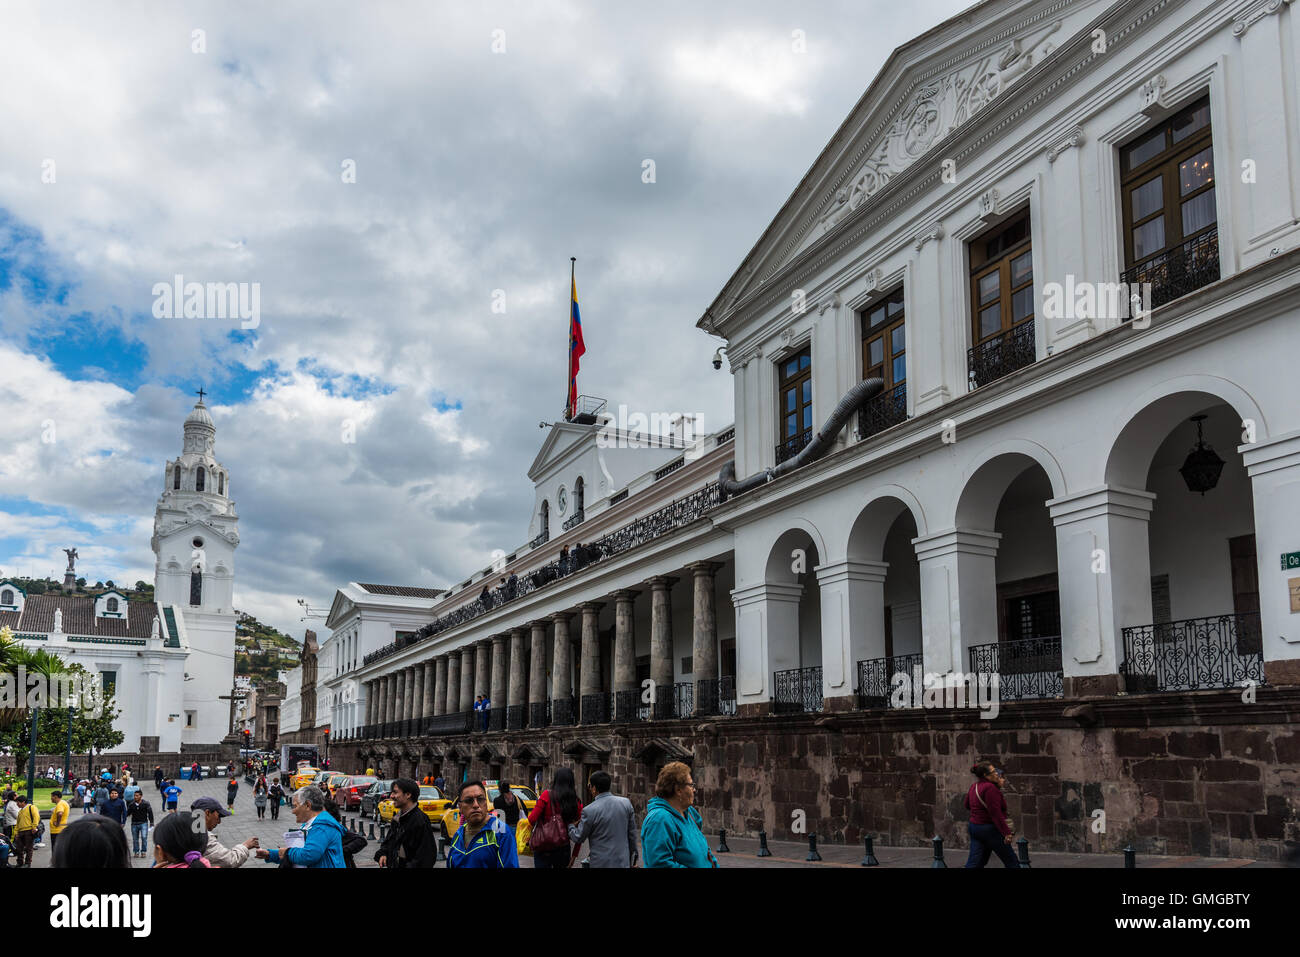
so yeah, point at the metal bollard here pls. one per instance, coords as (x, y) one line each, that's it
(442, 849)
(812, 849)
(372, 830)
(1022, 847)
(869, 859)
(1130, 858)
(938, 853)
(722, 842)
(352, 825)
(762, 845)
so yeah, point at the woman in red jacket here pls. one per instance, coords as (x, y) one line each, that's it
(989, 827)
(560, 801)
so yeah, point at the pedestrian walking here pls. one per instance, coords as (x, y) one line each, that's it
(101, 795)
(232, 788)
(25, 828)
(608, 825)
(555, 810)
(178, 842)
(171, 794)
(218, 854)
(158, 777)
(84, 797)
(353, 842)
(440, 782)
(115, 808)
(130, 791)
(409, 842)
(673, 832)
(482, 840)
(140, 813)
(259, 799)
(507, 806)
(275, 796)
(58, 818)
(92, 843)
(989, 827)
(323, 835)
(11, 814)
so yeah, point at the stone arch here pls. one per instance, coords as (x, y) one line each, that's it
(989, 475)
(866, 538)
(780, 555)
(1150, 418)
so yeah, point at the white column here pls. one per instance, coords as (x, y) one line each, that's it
(767, 640)
(1103, 563)
(958, 595)
(1274, 469)
(853, 625)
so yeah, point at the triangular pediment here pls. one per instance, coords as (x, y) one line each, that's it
(559, 442)
(927, 89)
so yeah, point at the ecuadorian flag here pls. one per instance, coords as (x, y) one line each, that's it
(576, 351)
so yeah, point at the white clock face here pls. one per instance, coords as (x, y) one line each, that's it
(561, 500)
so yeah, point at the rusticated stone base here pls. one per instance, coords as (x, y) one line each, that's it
(1282, 673)
(753, 710)
(1200, 773)
(842, 703)
(1087, 686)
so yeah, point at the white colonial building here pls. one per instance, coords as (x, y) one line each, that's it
(958, 445)
(167, 661)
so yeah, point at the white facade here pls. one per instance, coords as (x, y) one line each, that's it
(291, 707)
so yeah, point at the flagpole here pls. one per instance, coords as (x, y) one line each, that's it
(569, 411)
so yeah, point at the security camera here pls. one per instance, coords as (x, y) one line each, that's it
(717, 358)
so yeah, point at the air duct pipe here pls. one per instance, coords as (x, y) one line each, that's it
(854, 399)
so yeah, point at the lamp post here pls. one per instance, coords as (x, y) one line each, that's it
(67, 754)
(327, 749)
(31, 757)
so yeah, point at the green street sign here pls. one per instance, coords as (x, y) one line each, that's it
(1290, 560)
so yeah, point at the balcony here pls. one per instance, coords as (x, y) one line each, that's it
(1026, 669)
(883, 411)
(792, 446)
(574, 519)
(1178, 271)
(876, 679)
(797, 690)
(1001, 355)
(595, 709)
(1195, 654)
(715, 696)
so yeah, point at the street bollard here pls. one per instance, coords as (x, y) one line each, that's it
(1130, 858)
(442, 849)
(938, 853)
(1022, 846)
(372, 830)
(762, 845)
(722, 842)
(812, 849)
(352, 825)
(869, 860)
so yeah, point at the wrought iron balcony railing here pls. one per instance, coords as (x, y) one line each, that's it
(882, 411)
(1178, 271)
(457, 722)
(574, 519)
(876, 679)
(792, 446)
(539, 714)
(595, 709)
(515, 715)
(1222, 651)
(630, 706)
(1002, 355)
(1026, 669)
(564, 712)
(715, 696)
(796, 690)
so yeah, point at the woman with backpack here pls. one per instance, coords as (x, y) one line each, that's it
(232, 788)
(506, 806)
(550, 818)
(276, 796)
(259, 799)
(989, 827)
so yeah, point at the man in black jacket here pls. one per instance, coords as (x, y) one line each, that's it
(410, 839)
(140, 814)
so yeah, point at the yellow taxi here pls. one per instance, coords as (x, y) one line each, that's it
(432, 802)
(449, 821)
(302, 777)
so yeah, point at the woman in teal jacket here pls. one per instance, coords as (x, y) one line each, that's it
(323, 845)
(673, 832)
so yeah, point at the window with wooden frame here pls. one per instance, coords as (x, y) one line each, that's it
(794, 412)
(1167, 187)
(1002, 280)
(883, 340)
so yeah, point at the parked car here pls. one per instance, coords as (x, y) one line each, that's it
(432, 802)
(370, 800)
(303, 777)
(449, 820)
(351, 788)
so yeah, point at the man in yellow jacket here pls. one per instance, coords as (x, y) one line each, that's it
(58, 819)
(29, 819)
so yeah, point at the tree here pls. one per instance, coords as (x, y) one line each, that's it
(110, 584)
(81, 582)
(88, 731)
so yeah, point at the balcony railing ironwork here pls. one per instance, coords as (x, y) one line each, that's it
(876, 679)
(1222, 651)
(539, 714)
(574, 519)
(1002, 355)
(630, 706)
(796, 690)
(792, 446)
(496, 719)
(726, 435)
(515, 715)
(677, 514)
(715, 695)
(457, 722)
(595, 709)
(883, 411)
(1178, 271)
(1026, 669)
(564, 712)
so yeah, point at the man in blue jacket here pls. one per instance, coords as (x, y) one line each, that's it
(323, 844)
(114, 807)
(482, 840)
(673, 832)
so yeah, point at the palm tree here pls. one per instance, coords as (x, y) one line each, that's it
(35, 661)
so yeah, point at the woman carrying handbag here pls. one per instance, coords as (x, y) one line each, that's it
(550, 818)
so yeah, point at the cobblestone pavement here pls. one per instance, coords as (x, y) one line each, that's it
(244, 823)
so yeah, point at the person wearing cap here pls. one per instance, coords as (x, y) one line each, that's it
(218, 854)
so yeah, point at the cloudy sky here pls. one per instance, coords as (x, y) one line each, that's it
(129, 156)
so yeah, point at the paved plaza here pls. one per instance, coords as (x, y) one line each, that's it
(243, 824)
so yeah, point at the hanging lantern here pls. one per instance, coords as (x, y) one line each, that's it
(1202, 467)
